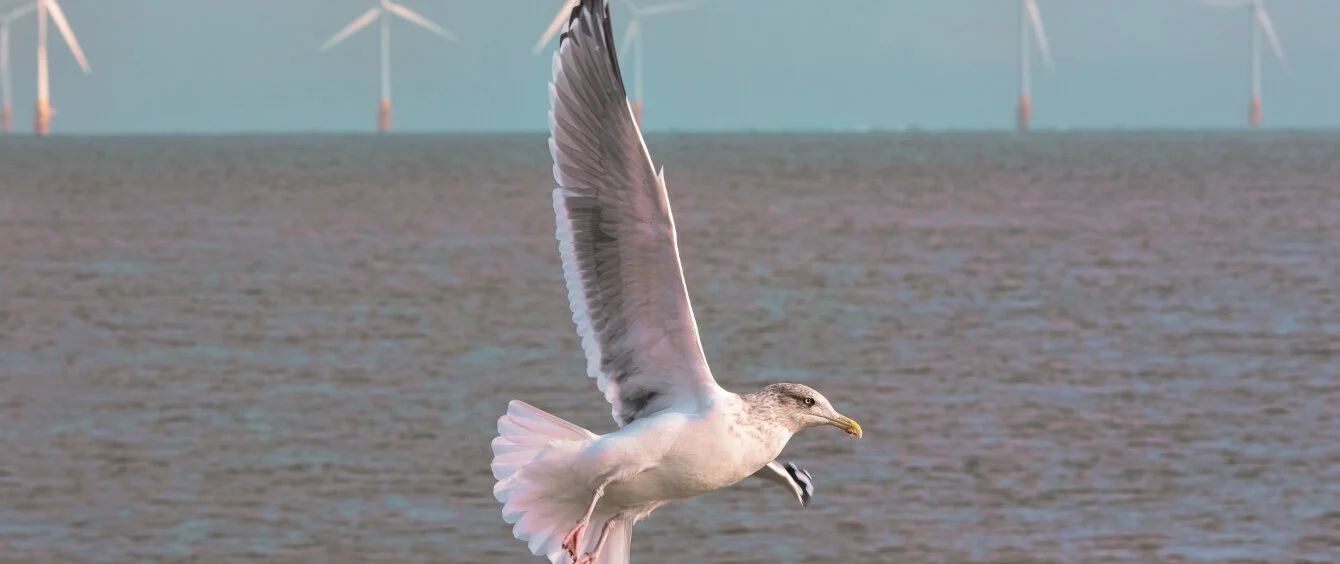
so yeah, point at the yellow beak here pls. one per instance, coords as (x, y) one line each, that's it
(847, 424)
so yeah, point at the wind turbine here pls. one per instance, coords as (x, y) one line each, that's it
(1260, 23)
(1029, 17)
(383, 12)
(43, 112)
(7, 113)
(632, 38)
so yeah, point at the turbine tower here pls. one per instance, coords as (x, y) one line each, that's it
(43, 112)
(1260, 23)
(7, 112)
(382, 13)
(1029, 17)
(632, 39)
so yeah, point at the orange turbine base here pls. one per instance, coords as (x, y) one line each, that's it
(384, 116)
(7, 118)
(42, 118)
(1254, 113)
(1025, 113)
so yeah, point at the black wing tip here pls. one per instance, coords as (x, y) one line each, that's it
(598, 9)
(575, 17)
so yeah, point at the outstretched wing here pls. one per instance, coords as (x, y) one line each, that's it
(616, 233)
(791, 477)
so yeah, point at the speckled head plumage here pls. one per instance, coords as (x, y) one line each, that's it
(798, 407)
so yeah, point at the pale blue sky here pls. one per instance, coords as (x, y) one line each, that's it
(252, 65)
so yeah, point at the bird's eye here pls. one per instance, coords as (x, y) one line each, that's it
(809, 402)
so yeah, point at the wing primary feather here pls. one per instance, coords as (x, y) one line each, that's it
(616, 233)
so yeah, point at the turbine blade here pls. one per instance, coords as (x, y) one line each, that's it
(59, 17)
(628, 35)
(1269, 28)
(421, 21)
(1224, 3)
(19, 12)
(1039, 32)
(360, 23)
(563, 14)
(667, 8)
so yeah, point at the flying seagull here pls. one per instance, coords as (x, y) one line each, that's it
(572, 494)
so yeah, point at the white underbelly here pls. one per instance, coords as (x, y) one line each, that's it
(691, 457)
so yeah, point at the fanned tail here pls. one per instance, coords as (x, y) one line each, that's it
(535, 482)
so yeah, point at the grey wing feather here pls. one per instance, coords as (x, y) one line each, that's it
(795, 479)
(616, 233)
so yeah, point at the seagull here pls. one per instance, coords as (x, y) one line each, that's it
(680, 435)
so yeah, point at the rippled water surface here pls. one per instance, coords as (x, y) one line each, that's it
(1066, 347)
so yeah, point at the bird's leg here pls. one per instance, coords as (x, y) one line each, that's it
(590, 557)
(573, 542)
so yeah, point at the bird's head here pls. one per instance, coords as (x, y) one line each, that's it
(801, 407)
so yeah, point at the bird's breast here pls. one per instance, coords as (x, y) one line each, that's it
(713, 452)
(680, 455)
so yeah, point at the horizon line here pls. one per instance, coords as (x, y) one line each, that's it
(854, 131)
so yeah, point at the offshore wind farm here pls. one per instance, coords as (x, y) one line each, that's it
(246, 317)
(1064, 91)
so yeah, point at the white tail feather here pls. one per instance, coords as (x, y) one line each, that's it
(544, 504)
